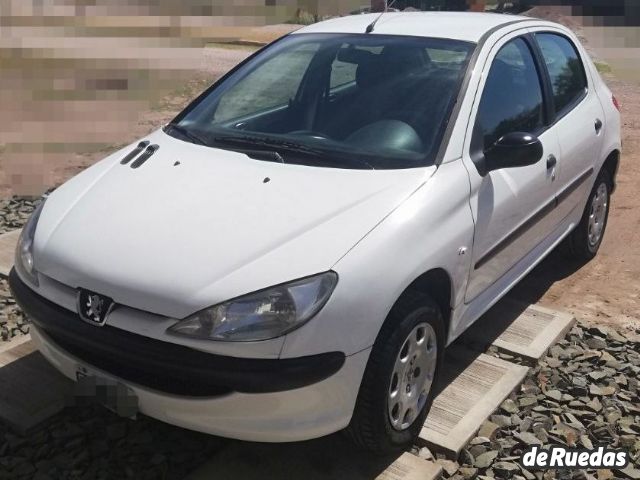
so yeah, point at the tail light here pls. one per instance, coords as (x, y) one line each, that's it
(615, 102)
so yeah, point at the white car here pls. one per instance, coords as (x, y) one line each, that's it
(290, 255)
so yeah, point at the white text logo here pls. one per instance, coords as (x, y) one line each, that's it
(561, 457)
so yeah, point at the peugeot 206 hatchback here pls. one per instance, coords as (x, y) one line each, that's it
(290, 255)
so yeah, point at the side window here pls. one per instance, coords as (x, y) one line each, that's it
(512, 96)
(342, 73)
(271, 85)
(565, 68)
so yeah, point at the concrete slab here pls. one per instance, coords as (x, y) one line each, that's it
(410, 467)
(326, 458)
(13, 345)
(8, 243)
(534, 331)
(519, 328)
(479, 385)
(36, 390)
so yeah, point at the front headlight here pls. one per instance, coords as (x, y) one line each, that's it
(261, 315)
(24, 249)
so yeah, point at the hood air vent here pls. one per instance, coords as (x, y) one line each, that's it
(151, 149)
(134, 153)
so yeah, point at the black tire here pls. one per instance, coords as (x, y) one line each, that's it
(578, 244)
(370, 426)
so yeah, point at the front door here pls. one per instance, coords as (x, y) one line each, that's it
(511, 206)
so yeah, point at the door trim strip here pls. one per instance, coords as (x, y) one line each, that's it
(564, 194)
(533, 219)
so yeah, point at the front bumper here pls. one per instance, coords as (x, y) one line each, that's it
(249, 399)
(164, 366)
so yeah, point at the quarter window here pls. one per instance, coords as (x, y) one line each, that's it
(512, 97)
(565, 68)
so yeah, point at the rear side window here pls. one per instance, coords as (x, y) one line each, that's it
(345, 66)
(565, 68)
(512, 96)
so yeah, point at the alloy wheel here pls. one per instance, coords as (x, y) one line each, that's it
(412, 376)
(598, 215)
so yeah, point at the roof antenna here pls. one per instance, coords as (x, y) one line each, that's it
(372, 25)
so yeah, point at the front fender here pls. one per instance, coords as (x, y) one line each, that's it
(433, 228)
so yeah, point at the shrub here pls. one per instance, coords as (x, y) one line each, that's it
(304, 18)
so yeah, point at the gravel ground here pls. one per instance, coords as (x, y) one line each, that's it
(12, 320)
(15, 211)
(583, 394)
(92, 443)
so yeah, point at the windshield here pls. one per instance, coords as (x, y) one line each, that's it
(340, 100)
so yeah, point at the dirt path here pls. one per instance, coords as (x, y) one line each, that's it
(70, 96)
(215, 63)
(606, 290)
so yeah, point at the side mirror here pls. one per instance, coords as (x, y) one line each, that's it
(516, 149)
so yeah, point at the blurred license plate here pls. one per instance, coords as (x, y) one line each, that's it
(114, 395)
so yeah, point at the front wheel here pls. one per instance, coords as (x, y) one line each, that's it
(397, 389)
(584, 242)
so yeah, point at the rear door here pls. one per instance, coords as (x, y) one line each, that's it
(578, 118)
(511, 206)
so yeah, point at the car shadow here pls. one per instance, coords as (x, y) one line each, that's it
(483, 332)
(555, 267)
(330, 457)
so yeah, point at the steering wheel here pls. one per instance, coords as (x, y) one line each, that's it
(311, 133)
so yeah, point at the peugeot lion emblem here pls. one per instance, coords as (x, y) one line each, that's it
(93, 307)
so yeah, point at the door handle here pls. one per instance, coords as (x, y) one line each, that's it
(552, 161)
(598, 125)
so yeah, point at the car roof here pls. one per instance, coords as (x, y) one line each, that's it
(467, 26)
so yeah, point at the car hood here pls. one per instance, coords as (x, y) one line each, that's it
(194, 226)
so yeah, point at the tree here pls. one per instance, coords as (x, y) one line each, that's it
(378, 5)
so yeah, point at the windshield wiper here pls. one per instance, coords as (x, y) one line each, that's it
(188, 134)
(268, 143)
(268, 155)
(286, 145)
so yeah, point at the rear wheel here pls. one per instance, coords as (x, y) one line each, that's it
(397, 388)
(584, 242)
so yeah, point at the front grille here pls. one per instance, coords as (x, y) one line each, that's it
(141, 374)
